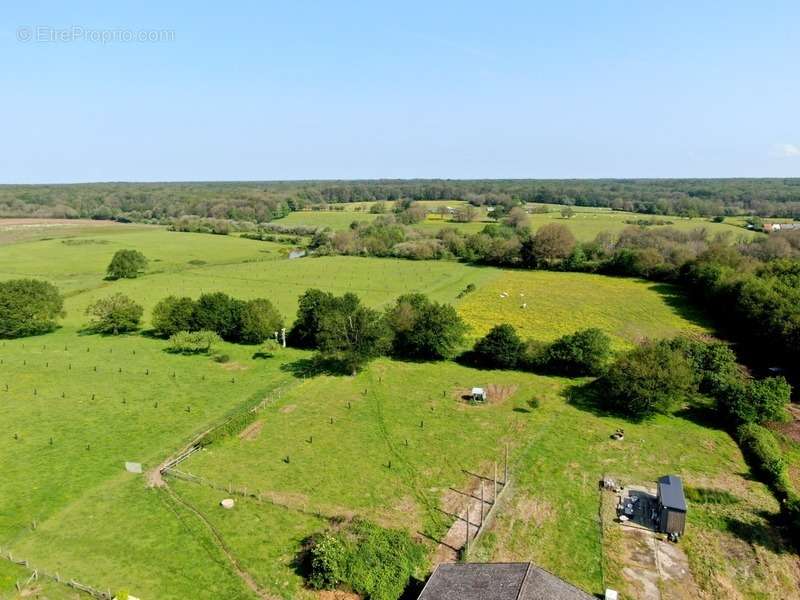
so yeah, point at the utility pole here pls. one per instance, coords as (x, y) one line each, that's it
(283, 336)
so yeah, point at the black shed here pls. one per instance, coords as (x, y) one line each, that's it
(671, 505)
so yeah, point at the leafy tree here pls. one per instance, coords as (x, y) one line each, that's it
(351, 333)
(307, 326)
(220, 313)
(173, 314)
(518, 219)
(114, 315)
(584, 352)
(553, 241)
(424, 329)
(259, 320)
(501, 348)
(126, 264)
(193, 342)
(465, 214)
(567, 212)
(372, 561)
(28, 307)
(653, 378)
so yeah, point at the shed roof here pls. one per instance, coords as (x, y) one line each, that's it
(670, 491)
(497, 581)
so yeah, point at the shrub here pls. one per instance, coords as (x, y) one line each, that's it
(653, 378)
(126, 264)
(424, 329)
(173, 314)
(375, 562)
(28, 307)
(584, 352)
(754, 400)
(193, 342)
(762, 450)
(501, 348)
(114, 315)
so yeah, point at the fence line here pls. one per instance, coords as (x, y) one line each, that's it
(36, 574)
(254, 494)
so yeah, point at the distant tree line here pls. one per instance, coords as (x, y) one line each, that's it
(261, 202)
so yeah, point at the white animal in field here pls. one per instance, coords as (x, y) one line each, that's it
(524, 305)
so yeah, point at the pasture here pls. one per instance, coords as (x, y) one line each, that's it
(585, 224)
(386, 444)
(544, 305)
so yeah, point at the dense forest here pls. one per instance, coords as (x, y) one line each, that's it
(264, 201)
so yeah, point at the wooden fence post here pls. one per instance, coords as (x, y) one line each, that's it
(505, 477)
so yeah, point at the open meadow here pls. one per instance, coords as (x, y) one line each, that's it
(388, 444)
(585, 224)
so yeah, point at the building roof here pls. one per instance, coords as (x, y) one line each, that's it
(497, 581)
(670, 491)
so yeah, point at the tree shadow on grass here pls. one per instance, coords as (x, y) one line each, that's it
(768, 532)
(701, 414)
(682, 305)
(314, 366)
(587, 397)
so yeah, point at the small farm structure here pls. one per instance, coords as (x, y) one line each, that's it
(478, 394)
(497, 581)
(671, 505)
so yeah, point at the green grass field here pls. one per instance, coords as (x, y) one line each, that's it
(585, 225)
(75, 407)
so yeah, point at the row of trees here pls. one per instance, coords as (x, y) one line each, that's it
(345, 330)
(234, 320)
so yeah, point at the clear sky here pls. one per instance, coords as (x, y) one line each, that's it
(336, 90)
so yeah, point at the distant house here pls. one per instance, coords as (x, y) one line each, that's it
(671, 505)
(497, 581)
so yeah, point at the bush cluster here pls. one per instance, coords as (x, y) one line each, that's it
(234, 320)
(193, 342)
(585, 352)
(365, 558)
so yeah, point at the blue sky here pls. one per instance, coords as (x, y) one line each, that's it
(293, 90)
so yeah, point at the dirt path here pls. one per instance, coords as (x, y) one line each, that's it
(240, 572)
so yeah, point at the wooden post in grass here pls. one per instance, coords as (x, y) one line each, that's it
(466, 545)
(481, 501)
(494, 498)
(505, 477)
